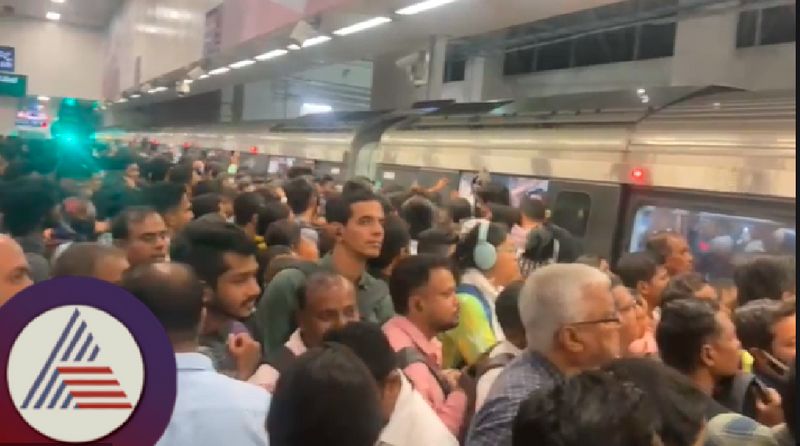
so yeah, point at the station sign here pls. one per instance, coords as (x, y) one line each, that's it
(7, 59)
(14, 85)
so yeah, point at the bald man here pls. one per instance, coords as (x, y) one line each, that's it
(210, 408)
(15, 274)
(92, 260)
(325, 302)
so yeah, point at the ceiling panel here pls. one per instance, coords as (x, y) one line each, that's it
(84, 13)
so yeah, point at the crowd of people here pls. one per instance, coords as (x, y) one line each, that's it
(304, 312)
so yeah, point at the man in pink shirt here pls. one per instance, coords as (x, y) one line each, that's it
(423, 291)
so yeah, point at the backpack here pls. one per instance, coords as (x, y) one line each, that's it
(486, 362)
(411, 355)
(738, 394)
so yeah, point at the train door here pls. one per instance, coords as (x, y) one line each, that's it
(590, 211)
(409, 176)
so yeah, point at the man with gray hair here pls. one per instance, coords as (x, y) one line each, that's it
(324, 302)
(571, 325)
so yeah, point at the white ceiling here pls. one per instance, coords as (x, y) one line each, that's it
(94, 14)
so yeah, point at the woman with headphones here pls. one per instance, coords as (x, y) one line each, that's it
(486, 260)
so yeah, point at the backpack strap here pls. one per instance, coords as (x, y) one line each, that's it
(492, 363)
(411, 355)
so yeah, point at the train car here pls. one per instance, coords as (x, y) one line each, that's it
(714, 163)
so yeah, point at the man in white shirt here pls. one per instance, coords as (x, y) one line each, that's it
(507, 311)
(210, 409)
(410, 419)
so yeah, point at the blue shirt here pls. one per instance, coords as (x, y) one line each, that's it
(529, 372)
(212, 409)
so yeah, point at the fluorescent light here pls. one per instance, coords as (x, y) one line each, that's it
(204, 76)
(218, 71)
(311, 108)
(188, 81)
(135, 96)
(641, 91)
(293, 46)
(157, 90)
(51, 15)
(362, 26)
(242, 64)
(271, 55)
(316, 41)
(58, 1)
(122, 101)
(43, 98)
(423, 6)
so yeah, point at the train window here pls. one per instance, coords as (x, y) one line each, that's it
(656, 40)
(554, 56)
(605, 47)
(778, 24)
(746, 29)
(571, 211)
(718, 241)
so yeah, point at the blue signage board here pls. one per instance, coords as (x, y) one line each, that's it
(7, 58)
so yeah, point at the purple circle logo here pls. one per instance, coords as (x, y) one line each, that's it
(84, 362)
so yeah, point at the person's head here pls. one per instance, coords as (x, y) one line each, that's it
(642, 272)
(533, 211)
(789, 401)
(395, 245)
(92, 260)
(246, 207)
(227, 196)
(460, 209)
(209, 203)
(626, 307)
(680, 405)
(488, 249)
(419, 213)
(266, 258)
(142, 233)
(174, 294)
(507, 216)
(369, 343)
(764, 278)
(270, 213)
(156, 169)
(424, 290)
(595, 261)
(493, 193)
(326, 185)
(357, 184)
(588, 407)
(768, 331)
(695, 337)
(172, 202)
(206, 187)
(295, 172)
(358, 225)
(326, 397)
(688, 284)
(182, 174)
(301, 195)
(325, 301)
(15, 274)
(283, 233)
(132, 171)
(28, 205)
(506, 307)
(727, 293)
(436, 241)
(225, 260)
(80, 215)
(569, 314)
(673, 251)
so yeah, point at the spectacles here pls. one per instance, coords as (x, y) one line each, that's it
(608, 320)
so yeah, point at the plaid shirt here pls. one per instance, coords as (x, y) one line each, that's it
(491, 426)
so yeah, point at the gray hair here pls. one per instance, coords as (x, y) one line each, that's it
(552, 297)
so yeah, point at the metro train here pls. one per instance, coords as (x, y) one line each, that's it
(715, 163)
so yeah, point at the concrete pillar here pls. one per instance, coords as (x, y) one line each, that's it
(705, 49)
(391, 86)
(483, 79)
(437, 52)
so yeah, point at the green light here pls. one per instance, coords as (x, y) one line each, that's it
(70, 102)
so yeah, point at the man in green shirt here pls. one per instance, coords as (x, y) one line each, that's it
(358, 220)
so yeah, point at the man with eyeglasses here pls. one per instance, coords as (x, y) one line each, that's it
(571, 324)
(142, 233)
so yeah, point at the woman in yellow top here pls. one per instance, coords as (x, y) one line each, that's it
(486, 259)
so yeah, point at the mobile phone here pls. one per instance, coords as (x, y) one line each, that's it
(761, 390)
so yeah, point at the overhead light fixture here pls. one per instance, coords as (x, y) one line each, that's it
(187, 81)
(218, 71)
(121, 101)
(204, 76)
(293, 46)
(135, 96)
(52, 15)
(58, 1)
(271, 55)
(362, 26)
(316, 41)
(43, 98)
(423, 6)
(242, 64)
(157, 90)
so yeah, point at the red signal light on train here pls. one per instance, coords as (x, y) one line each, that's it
(254, 149)
(186, 145)
(638, 174)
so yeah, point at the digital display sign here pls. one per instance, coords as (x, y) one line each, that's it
(6, 58)
(14, 85)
